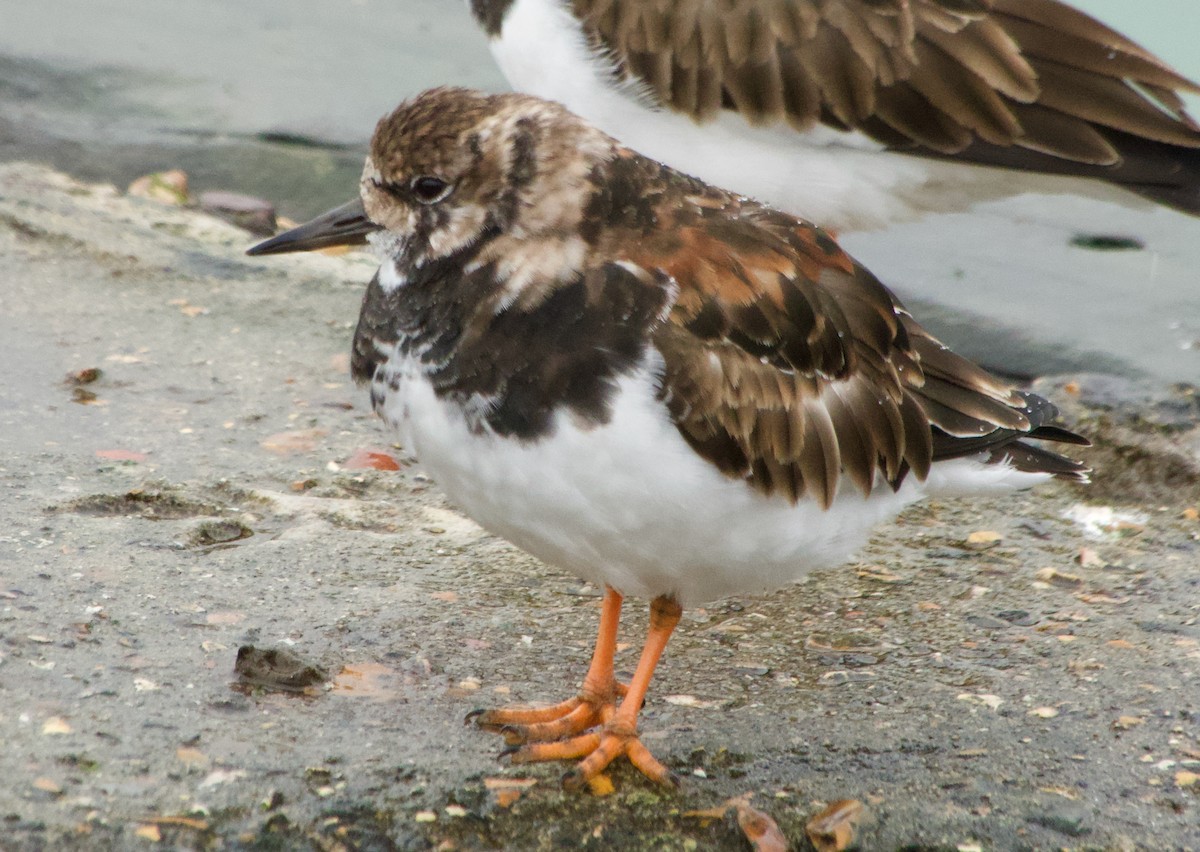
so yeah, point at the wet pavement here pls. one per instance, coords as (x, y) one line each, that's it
(1016, 673)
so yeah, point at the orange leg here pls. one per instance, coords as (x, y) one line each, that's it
(618, 734)
(594, 705)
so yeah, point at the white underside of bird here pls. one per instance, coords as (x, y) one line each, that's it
(840, 180)
(631, 505)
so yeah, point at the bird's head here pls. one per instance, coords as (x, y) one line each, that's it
(454, 167)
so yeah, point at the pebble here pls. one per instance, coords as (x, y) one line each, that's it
(254, 214)
(1019, 617)
(1068, 818)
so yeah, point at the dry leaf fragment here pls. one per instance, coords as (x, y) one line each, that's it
(1124, 723)
(1057, 578)
(1186, 778)
(506, 791)
(366, 680)
(880, 574)
(506, 798)
(1101, 598)
(191, 756)
(371, 460)
(707, 815)
(1065, 792)
(83, 377)
(298, 441)
(691, 701)
(762, 832)
(1191, 513)
(1043, 712)
(222, 776)
(121, 455)
(832, 830)
(182, 821)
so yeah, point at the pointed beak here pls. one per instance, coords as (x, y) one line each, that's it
(347, 225)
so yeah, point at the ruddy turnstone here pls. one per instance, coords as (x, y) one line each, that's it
(671, 391)
(853, 113)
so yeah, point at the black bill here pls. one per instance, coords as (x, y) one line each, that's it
(347, 225)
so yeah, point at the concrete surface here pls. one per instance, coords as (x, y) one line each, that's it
(1038, 688)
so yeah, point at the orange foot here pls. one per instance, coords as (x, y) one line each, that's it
(598, 749)
(592, 725)
(519, 725)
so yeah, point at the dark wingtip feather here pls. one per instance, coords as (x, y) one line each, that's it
(1030, 459)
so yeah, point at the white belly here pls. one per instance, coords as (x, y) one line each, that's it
(631, 505)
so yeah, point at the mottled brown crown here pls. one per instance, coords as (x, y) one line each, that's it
(505, 158)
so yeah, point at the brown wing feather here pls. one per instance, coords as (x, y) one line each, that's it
(1031, 84)
(766, 374)
(786, 363)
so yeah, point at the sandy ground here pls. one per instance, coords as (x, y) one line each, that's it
(1035, 685)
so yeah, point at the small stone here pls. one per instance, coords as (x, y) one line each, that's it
(253, 214)
(49, 785)
(1057, 578)
(1043, 712)
(56, 725)
(83, 377)
(1068, 819)
(425, 816)
(1017, 616)
(210, 533)
(148, 832)
(1089, 558)
(985, 699)
(984, 538)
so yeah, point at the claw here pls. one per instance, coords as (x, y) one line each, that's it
(572, 780)
(513, 735)
(473, 715)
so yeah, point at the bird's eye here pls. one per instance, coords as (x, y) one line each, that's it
(429, 190)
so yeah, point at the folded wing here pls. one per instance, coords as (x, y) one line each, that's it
(789, 365)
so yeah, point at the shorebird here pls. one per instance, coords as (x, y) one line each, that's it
(856, 113)
(670, 390)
